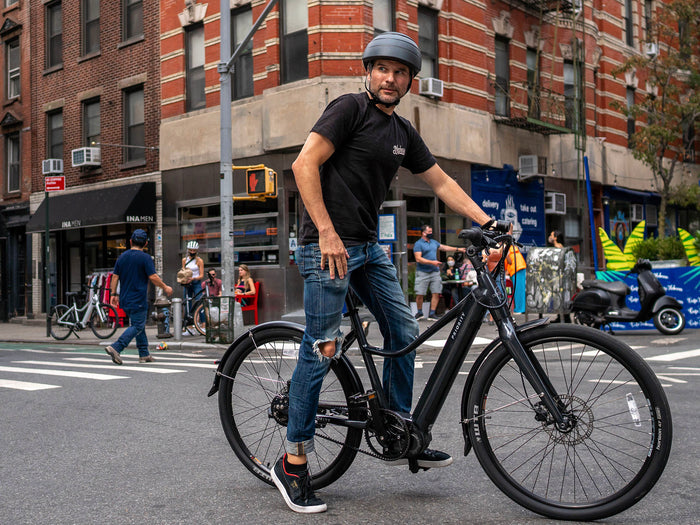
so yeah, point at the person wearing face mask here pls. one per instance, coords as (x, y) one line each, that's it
(457, 269)
(428, 271)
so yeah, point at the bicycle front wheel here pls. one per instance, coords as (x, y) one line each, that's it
(62, 322)
(619, 442)
(254, 401)
(103, 321)
(200, 319)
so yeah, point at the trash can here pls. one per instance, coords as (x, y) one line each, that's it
(224, 319)
(551, 280)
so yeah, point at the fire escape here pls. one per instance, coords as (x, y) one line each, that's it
(538, 104)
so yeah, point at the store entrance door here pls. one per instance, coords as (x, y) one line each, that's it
(391, 235)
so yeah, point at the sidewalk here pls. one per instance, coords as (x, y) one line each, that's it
(34, 331)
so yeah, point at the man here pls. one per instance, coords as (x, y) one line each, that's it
(343, 173)
(134, 269)
(428, 270)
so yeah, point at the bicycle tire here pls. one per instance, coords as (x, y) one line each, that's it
(104, 329)
(61, 331)
(608, 461)
(199, 318)
(257, 372)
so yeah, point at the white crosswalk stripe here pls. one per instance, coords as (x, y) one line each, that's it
(69, 365)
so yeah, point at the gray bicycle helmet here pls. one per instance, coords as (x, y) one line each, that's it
(393, 46)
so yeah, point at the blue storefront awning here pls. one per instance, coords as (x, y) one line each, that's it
(626, 194)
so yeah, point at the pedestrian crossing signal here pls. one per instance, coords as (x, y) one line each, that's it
(261, 182)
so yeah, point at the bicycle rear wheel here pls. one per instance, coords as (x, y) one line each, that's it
(104, 322)
(62, 322)
(617, 448)
(253, 405)
(200, 319)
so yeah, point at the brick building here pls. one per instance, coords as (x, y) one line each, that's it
(510, 97)
(15, 152)
(95, 108)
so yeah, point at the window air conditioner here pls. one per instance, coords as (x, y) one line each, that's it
(430, 87)
(85, 157)
(555, 203)
(51, 166)
(527, 165)
(637, 212)
(651, 49)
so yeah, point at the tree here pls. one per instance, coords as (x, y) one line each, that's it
(671, 108)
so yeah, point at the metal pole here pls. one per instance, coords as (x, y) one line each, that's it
(594, 244)
(225, 69)
(226, 183)
(47, 282)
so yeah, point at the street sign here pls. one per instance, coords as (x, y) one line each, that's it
(55, 183)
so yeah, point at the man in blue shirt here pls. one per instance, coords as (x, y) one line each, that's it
(428, 270)
(134, 269)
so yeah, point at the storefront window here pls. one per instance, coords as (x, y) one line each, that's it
(254, 225)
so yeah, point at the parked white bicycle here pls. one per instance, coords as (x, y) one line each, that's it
(100, 317)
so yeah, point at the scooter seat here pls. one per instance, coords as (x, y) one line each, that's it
(615, 287)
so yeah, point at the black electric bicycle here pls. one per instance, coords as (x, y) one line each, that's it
(566, 420)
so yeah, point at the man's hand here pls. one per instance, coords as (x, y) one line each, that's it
(114, 301)
(334, 253)
(168, 290)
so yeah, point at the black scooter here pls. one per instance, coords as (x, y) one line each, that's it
(601, 303)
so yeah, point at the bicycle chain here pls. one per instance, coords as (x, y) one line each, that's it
(356, 449)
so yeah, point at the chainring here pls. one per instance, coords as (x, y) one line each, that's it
(395, 443)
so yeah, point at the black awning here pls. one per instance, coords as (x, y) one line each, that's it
(135, 203)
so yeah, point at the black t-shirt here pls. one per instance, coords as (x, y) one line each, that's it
(369, 148)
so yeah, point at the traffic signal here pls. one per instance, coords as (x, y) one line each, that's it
(261, 181)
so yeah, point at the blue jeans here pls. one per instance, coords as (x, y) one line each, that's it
(192, 291)
(137, 329)
(372, 276)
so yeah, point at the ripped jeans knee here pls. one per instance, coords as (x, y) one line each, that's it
(327, 348)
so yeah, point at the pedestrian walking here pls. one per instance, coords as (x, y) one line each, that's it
(133, 271)
(343, 173)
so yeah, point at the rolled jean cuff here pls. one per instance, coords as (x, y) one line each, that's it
(300, 449)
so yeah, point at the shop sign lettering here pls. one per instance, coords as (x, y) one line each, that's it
(140, 218)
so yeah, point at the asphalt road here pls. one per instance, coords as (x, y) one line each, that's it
(128, 445)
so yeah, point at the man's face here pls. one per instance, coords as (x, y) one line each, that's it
(427, 232)
(389, 80)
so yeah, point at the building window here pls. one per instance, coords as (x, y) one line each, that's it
(12, 64)
(533, 83)
(630, 116)
(688, 141)
(383, 16)
(54, 135)
(428, 42)
(134, 133)
(194, 52)
(684, 39)
(629, 23)
(133, 19)
(12, 161)
(295, 41)
(569, 95)
(91, 123)
(241, 24)
(648, 19)
(54, 35)
(502, 78)
(91, 26)
(8, 3)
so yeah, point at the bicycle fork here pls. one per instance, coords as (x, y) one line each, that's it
(532, 370)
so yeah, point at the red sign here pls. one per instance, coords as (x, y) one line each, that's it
(55, 183)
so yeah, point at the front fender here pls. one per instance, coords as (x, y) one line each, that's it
(243, 338)
(666, 301)
(475, 368)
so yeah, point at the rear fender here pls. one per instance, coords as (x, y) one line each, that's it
(475, 368)
(243, 338)
(666, 302)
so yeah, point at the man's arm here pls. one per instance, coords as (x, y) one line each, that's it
(113, 297)
(451, 193)
(316, 150)
(160, 284)
(420, 259)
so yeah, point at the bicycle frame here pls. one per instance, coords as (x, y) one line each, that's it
(86, 310)
(467, 315)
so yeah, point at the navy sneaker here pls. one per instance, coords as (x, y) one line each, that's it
(427, 459)
(419, 315)
(433, 316)
(296, 489)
